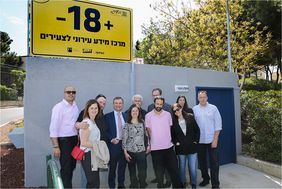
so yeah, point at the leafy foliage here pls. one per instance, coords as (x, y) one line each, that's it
(198, 37)
(7, 93)
(261, 124)
(261, 85)
(11, 74)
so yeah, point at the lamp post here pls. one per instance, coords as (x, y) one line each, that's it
(228, 38)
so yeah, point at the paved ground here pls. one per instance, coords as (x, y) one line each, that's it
(10, 114)
(231, 176)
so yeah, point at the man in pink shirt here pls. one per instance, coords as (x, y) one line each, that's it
(63, 133)
(158, 123)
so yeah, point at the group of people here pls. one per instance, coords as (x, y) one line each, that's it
(173, 135)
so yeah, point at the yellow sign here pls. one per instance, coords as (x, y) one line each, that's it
(81, 29)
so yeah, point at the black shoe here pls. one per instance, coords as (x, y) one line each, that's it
(204, 183)
(121, 187)
(167, 184)
(216, 187)
(154, 180)
(194, 186)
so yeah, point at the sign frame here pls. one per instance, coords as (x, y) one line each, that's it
(87, 53)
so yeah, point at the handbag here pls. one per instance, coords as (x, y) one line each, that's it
(78, 153)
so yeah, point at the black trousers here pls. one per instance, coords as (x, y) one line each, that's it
(166, 159)
(93, 178)
(139, 160)
(67, 162)
(203, 149)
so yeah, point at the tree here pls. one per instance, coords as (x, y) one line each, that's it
(9, 61)
(198, 38)
(268, 13)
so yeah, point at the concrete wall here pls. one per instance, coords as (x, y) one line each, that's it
(46, 78)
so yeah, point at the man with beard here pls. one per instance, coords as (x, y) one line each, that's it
(158, 123)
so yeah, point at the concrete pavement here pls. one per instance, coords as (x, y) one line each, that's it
(10, 114)
(230, 175)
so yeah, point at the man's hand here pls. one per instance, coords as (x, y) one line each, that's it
(148, 150)
(57, 152)
(214, 143)
(81, 125)
(115, 141)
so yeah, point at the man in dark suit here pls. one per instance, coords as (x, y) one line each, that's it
(115, 121)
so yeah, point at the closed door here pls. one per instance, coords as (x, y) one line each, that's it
(223, 99)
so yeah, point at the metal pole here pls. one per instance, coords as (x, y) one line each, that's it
(228, 38)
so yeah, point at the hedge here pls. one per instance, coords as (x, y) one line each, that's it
(260, 85)
(261, 124)
(7, 93)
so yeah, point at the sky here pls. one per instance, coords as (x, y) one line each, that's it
(13, 19)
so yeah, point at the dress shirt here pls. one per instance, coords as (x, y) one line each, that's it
(209, 120)
(64, 116)
(122, 123)
(160, 129)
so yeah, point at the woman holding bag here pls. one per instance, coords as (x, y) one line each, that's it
(88, 137)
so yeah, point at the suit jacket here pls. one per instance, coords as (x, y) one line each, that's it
(188, 142)
(111, 124)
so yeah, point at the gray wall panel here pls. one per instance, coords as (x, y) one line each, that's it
(46, 78)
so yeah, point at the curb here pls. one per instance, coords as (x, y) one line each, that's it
(265, 167)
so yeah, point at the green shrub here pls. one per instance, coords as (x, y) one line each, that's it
(7, 93)
(261, 124)
(260, 85)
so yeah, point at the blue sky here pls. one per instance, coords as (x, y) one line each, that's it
(13, 19)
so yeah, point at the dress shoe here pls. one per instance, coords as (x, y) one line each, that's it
(216, 187)
(123, 187)
(167, 184)
(204, 183)
(154, 180)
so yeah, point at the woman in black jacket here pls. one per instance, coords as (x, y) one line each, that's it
(185, 136)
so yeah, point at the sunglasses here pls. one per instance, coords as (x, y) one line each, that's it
(176, 110)
(70, 92)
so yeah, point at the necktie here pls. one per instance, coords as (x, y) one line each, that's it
(119, 126)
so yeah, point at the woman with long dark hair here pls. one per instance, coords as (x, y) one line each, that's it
(185, 136)
(134, 142)
(182, 101)
(87, 137)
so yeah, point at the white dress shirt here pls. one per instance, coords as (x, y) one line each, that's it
(64, 116)
(122, 123)
(209, 120)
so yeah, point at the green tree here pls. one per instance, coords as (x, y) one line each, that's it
(9, 61)
(268, 13)
(198, 38)
(18, 81)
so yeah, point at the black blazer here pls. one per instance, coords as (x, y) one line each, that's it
(188, 142)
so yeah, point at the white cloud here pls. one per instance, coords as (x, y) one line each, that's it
(16, 20)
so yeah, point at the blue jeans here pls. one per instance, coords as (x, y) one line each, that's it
(192, 162)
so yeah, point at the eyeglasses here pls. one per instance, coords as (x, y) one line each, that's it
(70, 92)
(176, 110)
